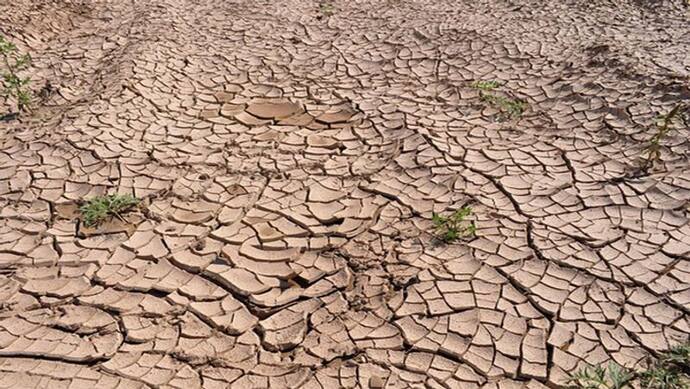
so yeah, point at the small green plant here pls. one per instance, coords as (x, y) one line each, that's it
(327, 9)
(13, 85)
(510, 108)
(664, 124)
(486, 85)
(669, 371)
(661, 377)
(613, 376)
(678, 354)
(99, 209)
(453, 227)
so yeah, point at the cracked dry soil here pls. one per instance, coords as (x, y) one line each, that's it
(290, 155)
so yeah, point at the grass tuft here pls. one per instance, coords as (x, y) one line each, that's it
(660, 377)
(12, 84)
(486, 85)
(612, 376)
(669, 371)
(678, 354)
(455, 226)
(664, 125)
(99, 209)
(327, 9)
(513, 108)
(510, 108)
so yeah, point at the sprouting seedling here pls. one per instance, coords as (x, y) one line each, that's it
(326, 8)
(455, 226)
(510, 108)
(664, 377)
(612, 376)
(486, 85)
(669, 371)
(678, 354)
(13, 85)
(664, 125)
(98, 209)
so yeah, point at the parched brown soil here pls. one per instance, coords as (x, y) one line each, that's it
(290, 153)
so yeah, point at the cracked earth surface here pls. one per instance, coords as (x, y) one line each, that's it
(290, 154)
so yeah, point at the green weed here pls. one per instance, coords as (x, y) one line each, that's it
(453, 227)
(513, 108)
(664, 124)
(612, 376)
(679, 355)
(99, 209)
(661, 377)
(13, 85)
(486, 85)
(510, 108)
(669, 371)
(326, 8)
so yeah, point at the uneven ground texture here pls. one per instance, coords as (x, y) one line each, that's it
(289, 155)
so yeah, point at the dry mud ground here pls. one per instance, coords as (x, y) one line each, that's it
(290, 155)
